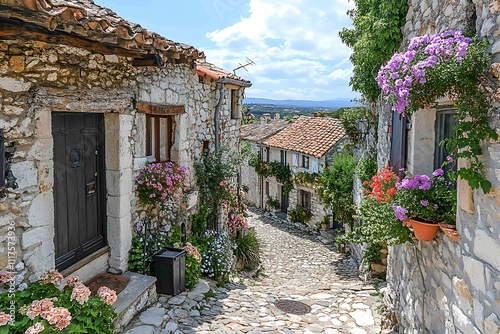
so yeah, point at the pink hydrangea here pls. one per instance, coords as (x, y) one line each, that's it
(37, 307)
(107, 295)
(190, 249)
(6, 277)
(35, 329)
(72, 281)
(80, 293)
(4, 318)
(52, 276)
(58, 316)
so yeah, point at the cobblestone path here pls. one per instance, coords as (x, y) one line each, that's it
(297, 266)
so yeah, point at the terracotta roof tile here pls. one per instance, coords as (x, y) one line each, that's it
(211, 71)
(258, 132)
(310, 135)
(92, 22)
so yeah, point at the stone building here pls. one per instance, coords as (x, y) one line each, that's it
(445, 286)
(307, 146)
(253, 135)
(90, 98)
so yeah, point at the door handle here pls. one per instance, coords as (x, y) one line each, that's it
(90, 188)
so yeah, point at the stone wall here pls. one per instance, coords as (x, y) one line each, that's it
(250, 179)
(443, 286)
(318, 211)
(38, 78)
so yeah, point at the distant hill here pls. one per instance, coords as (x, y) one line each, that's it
(328, 104)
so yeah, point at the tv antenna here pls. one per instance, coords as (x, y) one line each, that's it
(244, 66)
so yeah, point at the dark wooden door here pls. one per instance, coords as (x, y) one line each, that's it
(79, 188)
(284, 201)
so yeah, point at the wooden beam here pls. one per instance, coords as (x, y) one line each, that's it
(15, 29)
(148, 60)
(158, 109)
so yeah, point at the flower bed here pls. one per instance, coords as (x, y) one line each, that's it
(42, 308)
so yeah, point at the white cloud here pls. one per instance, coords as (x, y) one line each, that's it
(343, 74)
(294, 44)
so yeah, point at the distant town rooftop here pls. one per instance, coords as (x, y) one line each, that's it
(314, 136)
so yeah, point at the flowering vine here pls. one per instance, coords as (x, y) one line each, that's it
(451, 65)
(162, 185)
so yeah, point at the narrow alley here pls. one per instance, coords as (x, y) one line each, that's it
(297, 267)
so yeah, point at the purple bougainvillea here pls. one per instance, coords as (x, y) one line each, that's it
(407, 69)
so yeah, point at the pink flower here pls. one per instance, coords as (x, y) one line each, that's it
(6, 277)
(4, 318)
(35, 329)
(107, 295)
(190, 249)
(80, 293)
(222, 184)
(52, 276)
(72, 281)
(58, 316)
(37, 307)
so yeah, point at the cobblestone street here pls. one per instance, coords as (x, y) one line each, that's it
(297, 266)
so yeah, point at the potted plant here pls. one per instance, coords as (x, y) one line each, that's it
(422, 202)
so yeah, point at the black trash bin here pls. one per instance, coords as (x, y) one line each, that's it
(169, 265)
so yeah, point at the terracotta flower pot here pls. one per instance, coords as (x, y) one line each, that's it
(424, 231)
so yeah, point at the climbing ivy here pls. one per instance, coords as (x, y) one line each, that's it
(374, 39)
(280, 171)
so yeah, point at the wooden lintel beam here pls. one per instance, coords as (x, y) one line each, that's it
(157, 109)
(148, 60)
(15, 29)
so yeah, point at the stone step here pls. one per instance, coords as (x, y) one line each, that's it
(327, 235)
(139, 294)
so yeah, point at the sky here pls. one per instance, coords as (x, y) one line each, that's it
(294, 43)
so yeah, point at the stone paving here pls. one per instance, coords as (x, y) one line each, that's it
(297, 265)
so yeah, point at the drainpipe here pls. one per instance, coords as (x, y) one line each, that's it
(220, 82)
(217, 112)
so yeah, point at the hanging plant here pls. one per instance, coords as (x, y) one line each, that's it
(445, 65)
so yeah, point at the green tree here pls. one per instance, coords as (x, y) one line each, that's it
(374, 39)
(336, 187)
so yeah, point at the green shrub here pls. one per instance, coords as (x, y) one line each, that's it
(273, 202)
(247, 251)
(336, 188)
(300, 215)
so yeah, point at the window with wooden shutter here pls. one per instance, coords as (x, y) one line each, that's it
(295, 160)
(235, 110)
(159, 137)
(445, 123)
(315, 165)
(399, 140)
(283, 157)
(305, 200)
(305, 161)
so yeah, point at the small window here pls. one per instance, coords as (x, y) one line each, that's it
(205, 146)
(445, 124)
(305, 200)
(283, 157)
(159, 138)
(235, 112)
(305, 161)
(267, 188)
(268, 154)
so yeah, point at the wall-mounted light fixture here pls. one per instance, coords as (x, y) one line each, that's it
(362, 127)
(7, 179)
